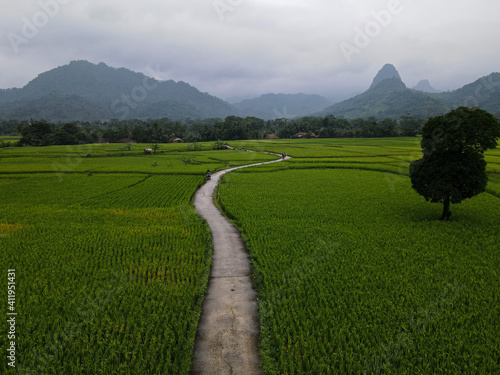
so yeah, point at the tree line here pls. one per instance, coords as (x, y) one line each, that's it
(43, 133)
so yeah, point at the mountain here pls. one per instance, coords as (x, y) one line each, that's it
(388, 71)
(483, 93)
(85, 91)
(272, 106)
(387, 97)
(425, 86)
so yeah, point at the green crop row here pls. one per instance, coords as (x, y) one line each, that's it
(355, 274)
(112, 260)
(388, 155)
(195, 162)
(111, 272)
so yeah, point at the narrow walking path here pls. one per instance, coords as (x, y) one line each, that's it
(228, 331)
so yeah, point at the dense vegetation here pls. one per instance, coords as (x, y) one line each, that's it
(42, 133)
(453, 167)
(391, 156)
(354, 274)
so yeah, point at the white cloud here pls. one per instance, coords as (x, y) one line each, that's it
(260, 45)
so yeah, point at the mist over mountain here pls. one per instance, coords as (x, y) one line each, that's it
(388, 97)
(484, 93)
(272, 106)
(388, 71)
(85, 91)
(425, 86)
(82, 91)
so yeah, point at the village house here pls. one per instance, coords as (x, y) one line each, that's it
(303, 135)
(268, 136)
(175, 140)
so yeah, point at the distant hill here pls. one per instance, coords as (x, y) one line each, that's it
(387, 97)
(483, 93)
(85, 91)
(272, 106)
(388, 71)
(425, 86)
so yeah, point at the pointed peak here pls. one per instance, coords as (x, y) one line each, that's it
(425, 86)
(387, 72)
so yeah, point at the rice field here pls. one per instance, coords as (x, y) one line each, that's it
(353, 271)
(389, 155)
(357, 276)
(112, 260)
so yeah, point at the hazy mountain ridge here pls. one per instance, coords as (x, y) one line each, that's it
(106, 93)
(83, 91)
(425, 86)
(272, 106)
(483, 93)
(388, 97)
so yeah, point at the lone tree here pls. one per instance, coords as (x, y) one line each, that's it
(453, 167)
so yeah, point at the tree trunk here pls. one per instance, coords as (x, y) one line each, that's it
(446, 209)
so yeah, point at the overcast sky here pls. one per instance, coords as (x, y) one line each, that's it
(245, 48)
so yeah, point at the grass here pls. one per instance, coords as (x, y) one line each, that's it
(356, 275)
(106, 272)
(354, 272)
(390, 155)
(9, 138)
(173, 159)
(112, 260)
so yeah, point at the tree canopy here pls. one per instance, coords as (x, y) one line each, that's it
(453, 167)
(461, 130)
(43, 133)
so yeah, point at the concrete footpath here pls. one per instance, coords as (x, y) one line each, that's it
(228, 331)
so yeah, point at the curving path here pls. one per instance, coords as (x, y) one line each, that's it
(228, 331)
